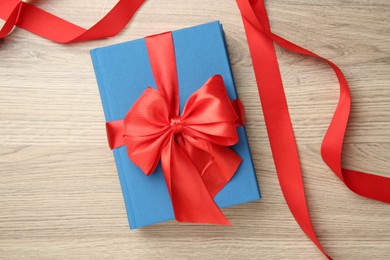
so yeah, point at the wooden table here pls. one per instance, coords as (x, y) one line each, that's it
(60, 196)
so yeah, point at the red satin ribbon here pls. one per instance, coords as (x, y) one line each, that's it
(42, 23)
(279, 127)
(193, 146)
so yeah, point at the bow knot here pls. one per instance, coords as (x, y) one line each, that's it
(176, 124)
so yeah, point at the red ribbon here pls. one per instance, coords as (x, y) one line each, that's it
(195, 159)
(275, 109)
(42, 23)
(279, 127)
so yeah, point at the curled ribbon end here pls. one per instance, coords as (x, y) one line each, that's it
(240, 111)
(114, 131)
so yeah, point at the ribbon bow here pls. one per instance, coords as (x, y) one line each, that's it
(193, 146)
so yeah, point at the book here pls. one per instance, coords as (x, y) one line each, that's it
(123, 72)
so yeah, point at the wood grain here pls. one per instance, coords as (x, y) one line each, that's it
(60, 196)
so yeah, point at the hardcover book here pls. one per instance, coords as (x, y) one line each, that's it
(123, 72)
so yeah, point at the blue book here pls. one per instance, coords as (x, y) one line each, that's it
(123, 72)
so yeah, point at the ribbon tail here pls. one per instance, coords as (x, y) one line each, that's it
(221, 170)
(191, 200)
(217, 164)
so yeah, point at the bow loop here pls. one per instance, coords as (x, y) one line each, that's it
(209, 114)
(146, 129)
(148, 116)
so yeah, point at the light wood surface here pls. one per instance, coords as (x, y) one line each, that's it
(60, 196)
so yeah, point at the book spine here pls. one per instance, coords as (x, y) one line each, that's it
(235, 89)
(117, 153)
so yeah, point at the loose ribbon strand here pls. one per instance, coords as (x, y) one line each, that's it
(279, 126)
(47, 25)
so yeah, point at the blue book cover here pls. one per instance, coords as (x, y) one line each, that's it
(123, 72)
